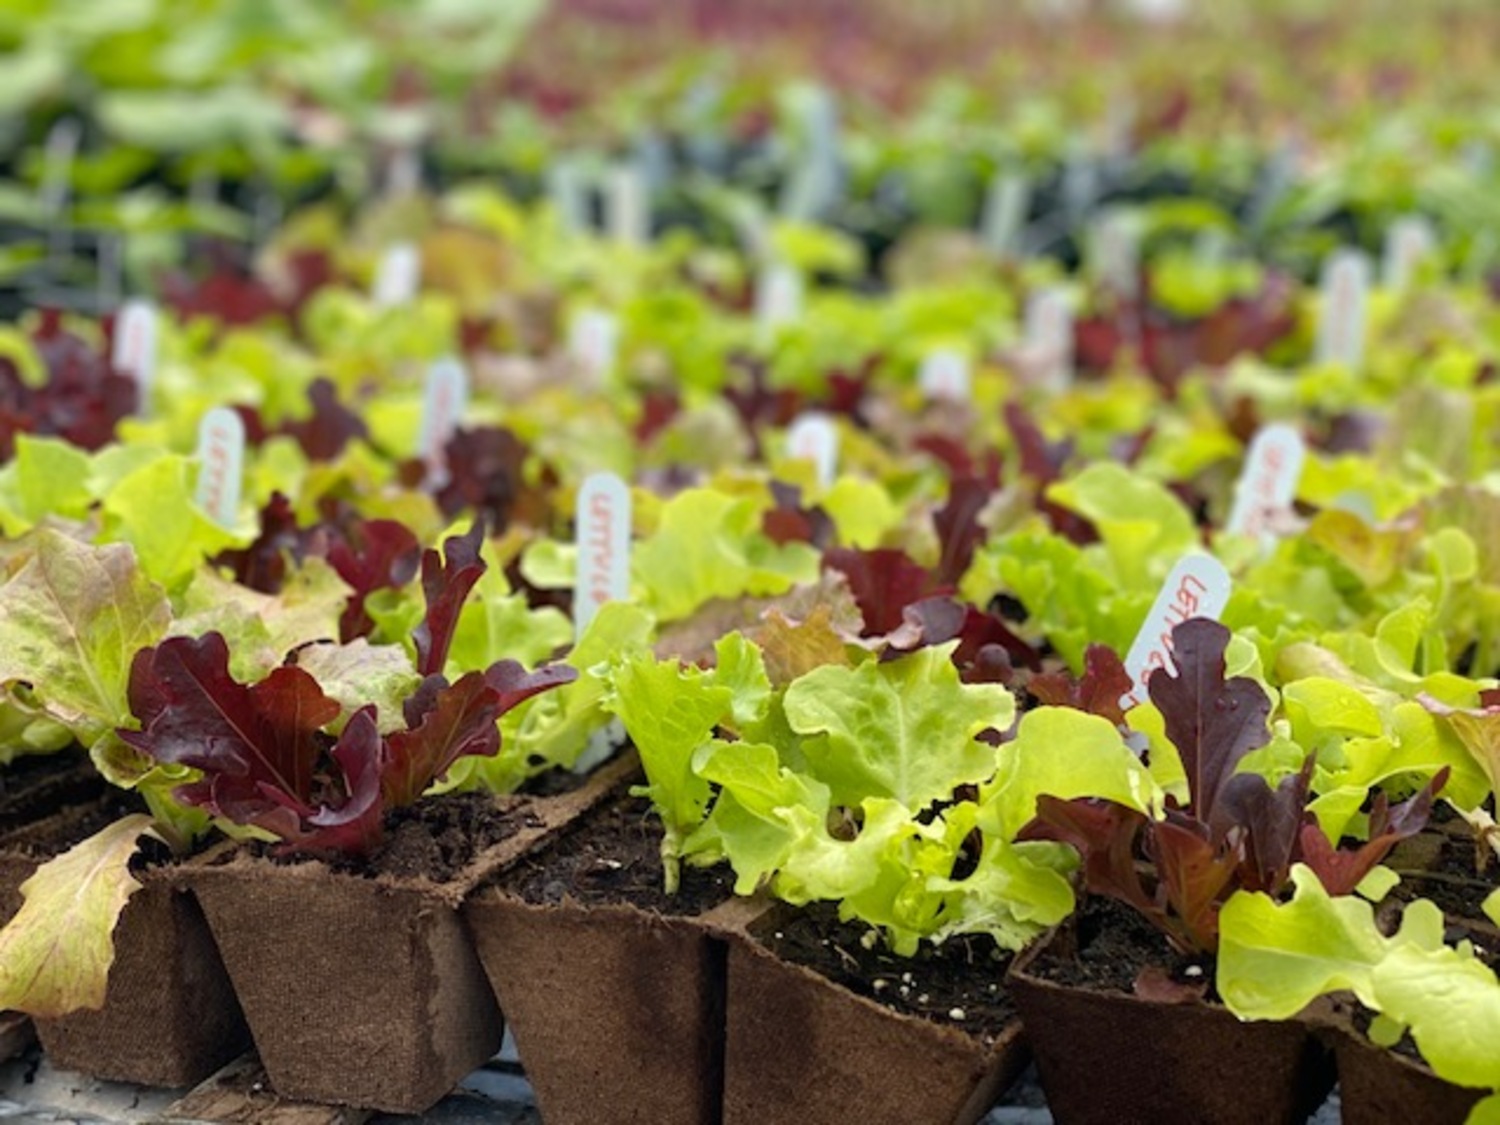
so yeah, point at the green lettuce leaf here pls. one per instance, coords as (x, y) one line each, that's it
(903, 729)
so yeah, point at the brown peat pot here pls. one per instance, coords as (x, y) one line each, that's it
(170, 1017)
(617, 1008)
(803, 1050)
(1375, 1083)
(363, 989)
(1107, 1056)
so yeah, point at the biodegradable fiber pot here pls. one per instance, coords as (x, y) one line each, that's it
(1376, 1083)
(618, 1011)
(802, 1049)
(1108, 1056)
(365, 990)
(170, 1017)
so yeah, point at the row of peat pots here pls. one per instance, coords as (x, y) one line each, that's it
(383, 989)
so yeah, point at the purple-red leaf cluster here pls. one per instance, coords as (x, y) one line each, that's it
(1237, 830)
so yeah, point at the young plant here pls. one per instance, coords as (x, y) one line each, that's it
(266, 753)
(1236, 831)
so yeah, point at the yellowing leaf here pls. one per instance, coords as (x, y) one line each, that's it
(792, 650)
(56, 953)
(75, 616)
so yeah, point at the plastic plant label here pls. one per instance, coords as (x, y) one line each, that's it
(812, 437)
(445, 397)
(593, 340)
(1345, 294)
(626, 211)
(403, 173)
(1408, 241)
(565, 190)
(58, 155)
(134, 350)
(945, 375)
(1268, 484)
(1005, 206)
(602, 520)
(813, 185)
(1198, 586)
(221, 464)
(778, 298)
(397, 276)
(1115, 254)
(1048, 336)
(1080, 188)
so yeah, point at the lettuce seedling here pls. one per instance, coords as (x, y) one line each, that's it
(264, 750)
(1237, 831)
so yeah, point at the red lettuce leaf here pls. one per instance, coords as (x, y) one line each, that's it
(331, 426)
(447, 723)
(1212, 721)
(446, 582)
(1097, 691)
(884, 582)
(376, 555)
(958, 530)
(1341, 870)
(258, 746)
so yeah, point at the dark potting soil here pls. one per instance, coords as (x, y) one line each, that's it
(960, 982)
(1444, 865)
(1114, 946)
(59, 833)
(614, 856)
(34, 786)
(435, 839)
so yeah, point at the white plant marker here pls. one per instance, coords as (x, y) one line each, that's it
(1080, 187)
(1005, 206)
(134, 350)
(1048, 336)
(1408, 241)
(57, 166)
(1268, 484)
(778, 298)
(403, 173)
(945, 375)
(445, 397)
(626, 208)
(1198, 586)
(812, 437)
(1345, 294)
(1115, 253)
(397, 275)
(602, 522)
(814, 183)
(565, 189)
(221, 464)
(593, 341)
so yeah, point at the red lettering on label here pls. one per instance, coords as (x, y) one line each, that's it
(599, 549)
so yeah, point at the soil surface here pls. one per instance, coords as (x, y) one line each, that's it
(960, 982)
(1443, 864)
(614, 856)
(60, 832)
(1114, 946)
(34, 786)
(437, 838)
